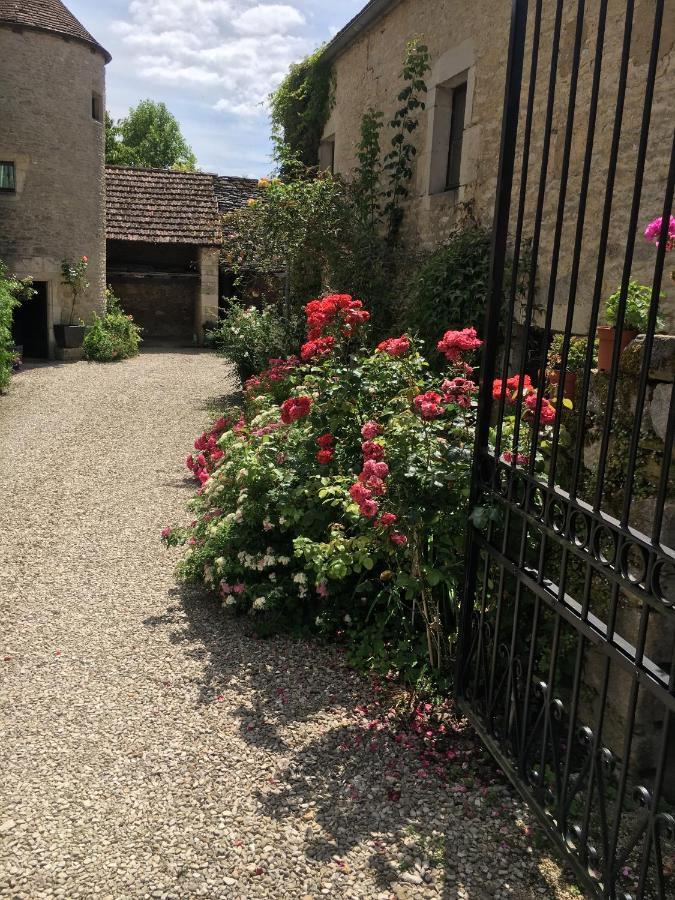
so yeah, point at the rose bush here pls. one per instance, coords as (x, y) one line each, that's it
(337, 499)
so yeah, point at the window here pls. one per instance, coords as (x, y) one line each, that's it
(456, 137)
(7, 177)
(327, 155)
(96, 107)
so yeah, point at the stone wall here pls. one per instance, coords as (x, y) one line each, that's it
(58, 210)
(660, 628)
(472, 38)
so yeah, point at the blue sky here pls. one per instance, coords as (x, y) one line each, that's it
(212, 62)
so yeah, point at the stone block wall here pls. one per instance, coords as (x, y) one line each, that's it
(473, 39)
(48, 131)
(648, 722)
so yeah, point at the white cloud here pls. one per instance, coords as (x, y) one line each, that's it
(229, 52)
(269, 19)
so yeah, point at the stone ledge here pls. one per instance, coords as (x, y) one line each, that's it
(662, 362)
(69, 354)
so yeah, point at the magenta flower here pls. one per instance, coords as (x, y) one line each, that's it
(653, 232)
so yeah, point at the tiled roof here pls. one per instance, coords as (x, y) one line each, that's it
(232, 193)
(47, 15)
(162, 207)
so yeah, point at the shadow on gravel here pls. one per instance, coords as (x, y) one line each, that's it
(349, 785)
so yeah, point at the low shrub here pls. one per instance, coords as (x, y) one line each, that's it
(450, 287)
(11, 292)
(250, 337)
(336, 500)
(113, 336)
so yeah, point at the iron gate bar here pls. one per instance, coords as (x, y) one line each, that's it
(604, 236)
(509, 669)
(630, 247)
(514, 74)
(581, 222)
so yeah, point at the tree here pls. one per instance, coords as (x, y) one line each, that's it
(149, 136)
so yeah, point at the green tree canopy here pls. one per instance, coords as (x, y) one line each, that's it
(149, 136)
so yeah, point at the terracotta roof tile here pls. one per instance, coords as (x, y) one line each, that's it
(232, 193)
(162, 207)
(47, 15)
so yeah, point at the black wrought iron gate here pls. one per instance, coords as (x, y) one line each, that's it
(567, 638)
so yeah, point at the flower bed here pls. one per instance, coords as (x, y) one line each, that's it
(337, 500)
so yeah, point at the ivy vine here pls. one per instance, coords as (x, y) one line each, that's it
(300, 108)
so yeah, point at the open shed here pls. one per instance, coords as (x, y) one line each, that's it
(163, 233)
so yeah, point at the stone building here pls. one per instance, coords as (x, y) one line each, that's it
(52, 199)
(163, 238)
(459, 132)
(164, 232)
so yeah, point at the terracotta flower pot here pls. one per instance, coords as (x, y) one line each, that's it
(570, 387)
(606, 337)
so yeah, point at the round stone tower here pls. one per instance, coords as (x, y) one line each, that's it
(52, 160)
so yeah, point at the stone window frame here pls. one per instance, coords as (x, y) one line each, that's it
(12, 165)
(97, 113)
(327, 154)
(452, 69)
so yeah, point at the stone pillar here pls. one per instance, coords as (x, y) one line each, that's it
(206, 312)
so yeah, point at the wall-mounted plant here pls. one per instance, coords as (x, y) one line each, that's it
(399, 161)
(299, 109)
(366, 184)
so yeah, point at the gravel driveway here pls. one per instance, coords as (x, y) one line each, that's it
(152, 747)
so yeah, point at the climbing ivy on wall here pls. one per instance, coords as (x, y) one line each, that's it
(300, 108)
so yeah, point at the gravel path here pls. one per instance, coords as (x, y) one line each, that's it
(152, 747)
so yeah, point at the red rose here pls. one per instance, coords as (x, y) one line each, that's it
(326, 441)
(386, 520)
(325, 456)
(454, 343)
(394, 346)
(371, 450)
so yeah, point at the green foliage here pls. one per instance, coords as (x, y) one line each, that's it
(576, 357)
(398, 163)
(113, 336)
(300, 108)
(149, 136)
(451, 286)
(309, 230)
(250, 337)
(638, 301)
(12, 291)
(367, 175)
(74, 276)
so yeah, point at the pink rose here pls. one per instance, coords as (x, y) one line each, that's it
(371, 430)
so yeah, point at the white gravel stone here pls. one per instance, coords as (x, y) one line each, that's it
(122, 774)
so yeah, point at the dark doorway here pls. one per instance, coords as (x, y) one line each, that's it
(30, 327)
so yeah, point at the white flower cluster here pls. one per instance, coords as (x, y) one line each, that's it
(259, 604)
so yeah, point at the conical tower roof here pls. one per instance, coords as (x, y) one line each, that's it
(47, 15)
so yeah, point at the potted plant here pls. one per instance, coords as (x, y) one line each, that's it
(70, 333)
(638, 302)
(576, 362)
